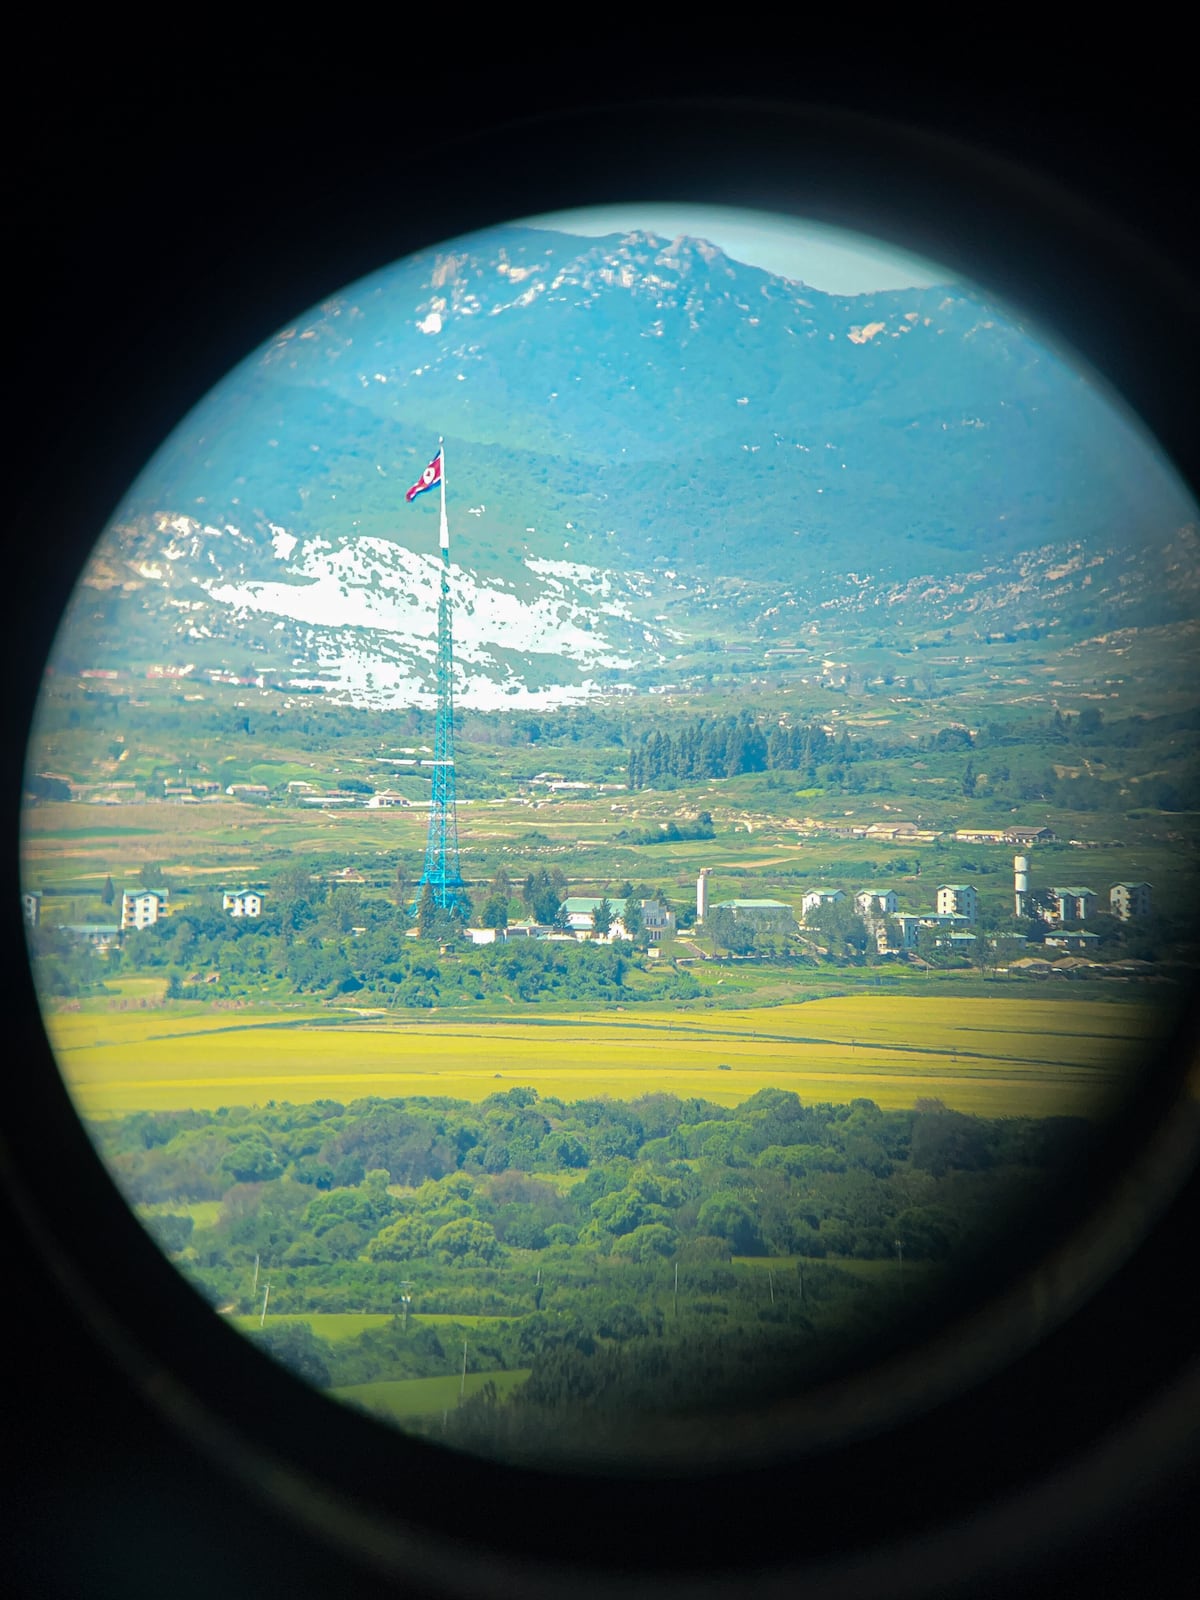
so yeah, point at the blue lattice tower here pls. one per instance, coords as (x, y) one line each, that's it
(441, 870)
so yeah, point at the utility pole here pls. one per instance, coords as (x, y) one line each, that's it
(800, 1274)
(254, 1290)
(771, 1284)
(675, 1297)
(463, 1386)
(406, 1300)
(266, 1297)
(900, 1262)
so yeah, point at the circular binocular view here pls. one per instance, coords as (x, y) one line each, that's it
(613, 815)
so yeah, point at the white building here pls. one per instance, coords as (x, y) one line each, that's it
(31, 908)
(102, 935)
(771, 918)
(1073, 905)
(580, 911)
(483, 935)
(1128, 900)
(387, 798)
(906, 928)
(658, 922)
(821, 897)
(876, 903)
(945, 921)
(957, 900)
(892, 830)
(142, 908)
(242, 902)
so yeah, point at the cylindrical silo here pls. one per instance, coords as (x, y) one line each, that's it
(702, 895)
(1021, 886)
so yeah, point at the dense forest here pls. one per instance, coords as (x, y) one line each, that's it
(1078, 761)
(614, 1243)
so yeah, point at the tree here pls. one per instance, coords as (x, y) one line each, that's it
(944, 1139)
(647, 1241)
(730, 932)
(841, 926)
(983, 952)
(635, 927)
(495, 912)
(171, 1233)
(622, 1321)
(42, 787)
(466, 1242)
(968, 781)
(109, 893)
(295, 1346)
(723, 1216)
(560, 921)
(426, 913)
(602, 918)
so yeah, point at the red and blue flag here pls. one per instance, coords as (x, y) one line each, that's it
(429, 479)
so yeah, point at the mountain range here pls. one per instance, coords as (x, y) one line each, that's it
(645, 441)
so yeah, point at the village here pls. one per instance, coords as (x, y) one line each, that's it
(1054, 918)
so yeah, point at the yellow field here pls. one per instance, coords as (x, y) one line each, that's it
(995, 1057)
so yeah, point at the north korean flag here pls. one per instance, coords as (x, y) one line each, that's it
(429, 479)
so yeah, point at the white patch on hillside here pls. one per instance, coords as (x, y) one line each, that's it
(371, 606)
(283, 542)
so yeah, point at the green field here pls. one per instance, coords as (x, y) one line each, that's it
(203, 1213)
(399, 1398)
(336, 1325)
(994, 1057)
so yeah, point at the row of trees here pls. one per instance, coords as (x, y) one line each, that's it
(578, 1220)
(722, 747)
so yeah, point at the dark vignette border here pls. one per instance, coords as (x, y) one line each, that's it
(170, 337)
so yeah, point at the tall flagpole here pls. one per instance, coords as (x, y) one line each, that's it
(444, 540)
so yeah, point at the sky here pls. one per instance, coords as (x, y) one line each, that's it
(831, 259)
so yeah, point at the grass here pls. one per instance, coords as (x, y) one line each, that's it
(335, 1325)
(203, 1213)
(994, 1057)
(399, 1398)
